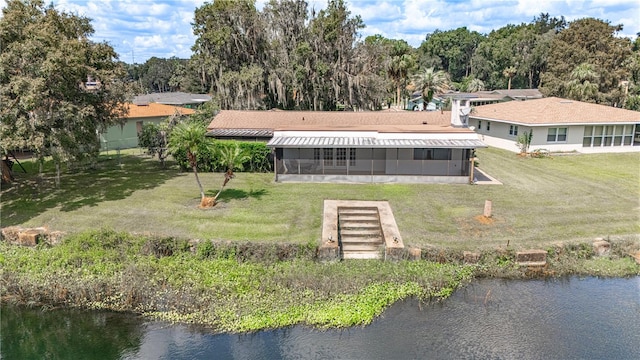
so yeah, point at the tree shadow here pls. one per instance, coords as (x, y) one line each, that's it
(111, 179)
(237, 194)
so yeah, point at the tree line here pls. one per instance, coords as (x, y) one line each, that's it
(290, 57)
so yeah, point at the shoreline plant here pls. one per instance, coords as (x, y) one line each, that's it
(245, 287)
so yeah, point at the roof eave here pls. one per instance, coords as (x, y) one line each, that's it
(555, 123)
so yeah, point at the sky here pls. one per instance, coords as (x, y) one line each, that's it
(141, 29)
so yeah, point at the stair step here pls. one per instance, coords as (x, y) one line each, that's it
(360, 233)
(357, 208)
(358, 218)
(361, 247)
(359, 226)
(377, 240)
(362, 255)
(352, 211)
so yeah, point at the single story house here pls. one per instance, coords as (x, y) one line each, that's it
(558, 125)
(513, 94)
(477, 98)
(125, 136)
(416, 103)
(378, 147)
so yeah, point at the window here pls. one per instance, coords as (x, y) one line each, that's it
(441, 154)
(352, 157)
(557, 135)
(513, 130)
(607, 135)
(431, 154)
(341, 157)
(479, 124)
(336, 157)
(488, 125)
(328, 157)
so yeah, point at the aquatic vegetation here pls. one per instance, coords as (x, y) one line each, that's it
(166, 279)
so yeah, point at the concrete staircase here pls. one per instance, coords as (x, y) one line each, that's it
(359, 233)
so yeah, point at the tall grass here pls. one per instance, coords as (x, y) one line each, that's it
(109, 270)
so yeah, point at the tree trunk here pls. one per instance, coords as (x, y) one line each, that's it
(509, 86)
(228, 175)
(57, 174)
(195, 172)
(7, 174)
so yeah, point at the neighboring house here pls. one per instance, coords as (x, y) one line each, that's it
(416, 103)
(126, 136)
(558, 125)
(513, 94)
(380, 146)
(477, 98)
(182, 99)
(486, 97)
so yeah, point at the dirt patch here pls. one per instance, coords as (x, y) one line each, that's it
(484, 220)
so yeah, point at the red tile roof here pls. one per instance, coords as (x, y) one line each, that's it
(553, 110)
(322, 120)
(155, 110)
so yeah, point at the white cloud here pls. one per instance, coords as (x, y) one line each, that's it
(162, 28)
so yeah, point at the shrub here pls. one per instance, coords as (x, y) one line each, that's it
(161, 247)
(259, 159)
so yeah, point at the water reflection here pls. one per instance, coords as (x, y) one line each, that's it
(490, 319)
(67, 334)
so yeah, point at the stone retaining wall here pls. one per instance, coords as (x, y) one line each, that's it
(30, 236)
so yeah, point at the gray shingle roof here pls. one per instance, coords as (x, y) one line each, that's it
(171, 98)
(553, 110)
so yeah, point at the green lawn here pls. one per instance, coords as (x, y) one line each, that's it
(562, 198)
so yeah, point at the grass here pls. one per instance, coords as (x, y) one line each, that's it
(541, 201)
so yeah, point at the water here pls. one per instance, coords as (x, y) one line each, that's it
(572, 318)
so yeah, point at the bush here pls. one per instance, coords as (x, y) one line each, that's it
(161, 246)
(259, 159)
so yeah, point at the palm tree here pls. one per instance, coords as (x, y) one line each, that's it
(399, 70)
(584, 82)
(475, 85)
(509, 72)
(231, 157)
(190, 137)
(431, 82)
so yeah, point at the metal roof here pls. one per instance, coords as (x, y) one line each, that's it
(259, 133)
(370, 142)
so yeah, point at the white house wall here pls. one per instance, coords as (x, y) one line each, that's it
(498, 136)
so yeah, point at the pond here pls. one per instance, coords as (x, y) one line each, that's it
(569, 318)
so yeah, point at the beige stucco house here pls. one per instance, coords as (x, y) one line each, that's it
(379, 147)
(558, 125)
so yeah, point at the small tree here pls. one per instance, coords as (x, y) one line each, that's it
(231, 157)
(155, 137)
(190, 137)
(524, 141)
